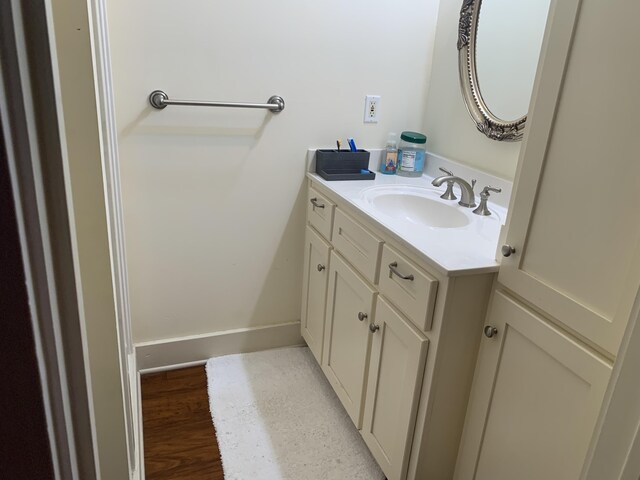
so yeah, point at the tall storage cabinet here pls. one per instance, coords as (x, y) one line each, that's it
(571, 266)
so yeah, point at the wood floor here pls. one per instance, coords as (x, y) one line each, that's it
(179, 438)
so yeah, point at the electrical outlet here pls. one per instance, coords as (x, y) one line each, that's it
(371, 108)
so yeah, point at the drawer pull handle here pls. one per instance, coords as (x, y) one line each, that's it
(362, 316)
(393, 269)
(320, 267)
(314, 202)
(373, 328)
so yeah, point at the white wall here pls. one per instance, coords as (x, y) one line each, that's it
(213, 198)
(450, 130)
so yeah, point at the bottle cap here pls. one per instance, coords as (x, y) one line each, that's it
(413, 137)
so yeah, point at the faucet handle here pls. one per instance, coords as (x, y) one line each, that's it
(489, 188)
(484, 196)
(473, 184)
(448, 194)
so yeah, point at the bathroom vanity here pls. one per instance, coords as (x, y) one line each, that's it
(395, 291)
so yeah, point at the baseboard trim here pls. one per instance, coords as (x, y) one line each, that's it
(139, 474)
(195, 350)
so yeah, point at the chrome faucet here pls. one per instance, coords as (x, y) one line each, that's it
(468, 197)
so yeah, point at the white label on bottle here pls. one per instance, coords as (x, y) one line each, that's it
(408, 161)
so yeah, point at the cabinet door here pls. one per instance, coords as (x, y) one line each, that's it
(350, 305)
(574, 217)
(534, 403)
(314, 291)
(396, 368)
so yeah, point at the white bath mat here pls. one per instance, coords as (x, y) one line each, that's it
(277, 418)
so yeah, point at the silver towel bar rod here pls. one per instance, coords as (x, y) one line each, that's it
(159, 99)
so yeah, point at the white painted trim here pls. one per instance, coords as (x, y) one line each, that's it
(139, 473)
(177, 366)
(45, 230)
(111, 165)
(196, 349)
(631, 470)
(113, 201)
(137, 465)
(615, 447)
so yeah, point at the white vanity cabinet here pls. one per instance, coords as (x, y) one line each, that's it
(400, 336)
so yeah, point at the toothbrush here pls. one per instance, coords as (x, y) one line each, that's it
(352, 144)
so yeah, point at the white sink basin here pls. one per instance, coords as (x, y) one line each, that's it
(419, 206)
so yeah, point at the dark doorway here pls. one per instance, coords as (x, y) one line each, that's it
(24, 449)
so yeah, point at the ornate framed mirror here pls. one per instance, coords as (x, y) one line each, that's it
(497, 60)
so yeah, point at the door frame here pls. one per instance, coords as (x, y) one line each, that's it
(105, 102)
(36, 158)
(33, 127)
(615, 447)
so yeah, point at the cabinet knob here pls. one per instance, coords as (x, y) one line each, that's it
(362, 316)
(507, 250)
(374, 328)
(320, 267)
(490, 331)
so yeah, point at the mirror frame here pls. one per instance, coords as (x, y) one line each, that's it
(486, 122)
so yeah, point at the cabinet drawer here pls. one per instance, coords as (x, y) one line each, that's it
(320, 212)
(357, 245)
(410, 288)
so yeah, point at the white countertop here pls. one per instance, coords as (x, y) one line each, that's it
(454, 251)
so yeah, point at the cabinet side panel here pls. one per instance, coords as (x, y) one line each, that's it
(436, 440)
